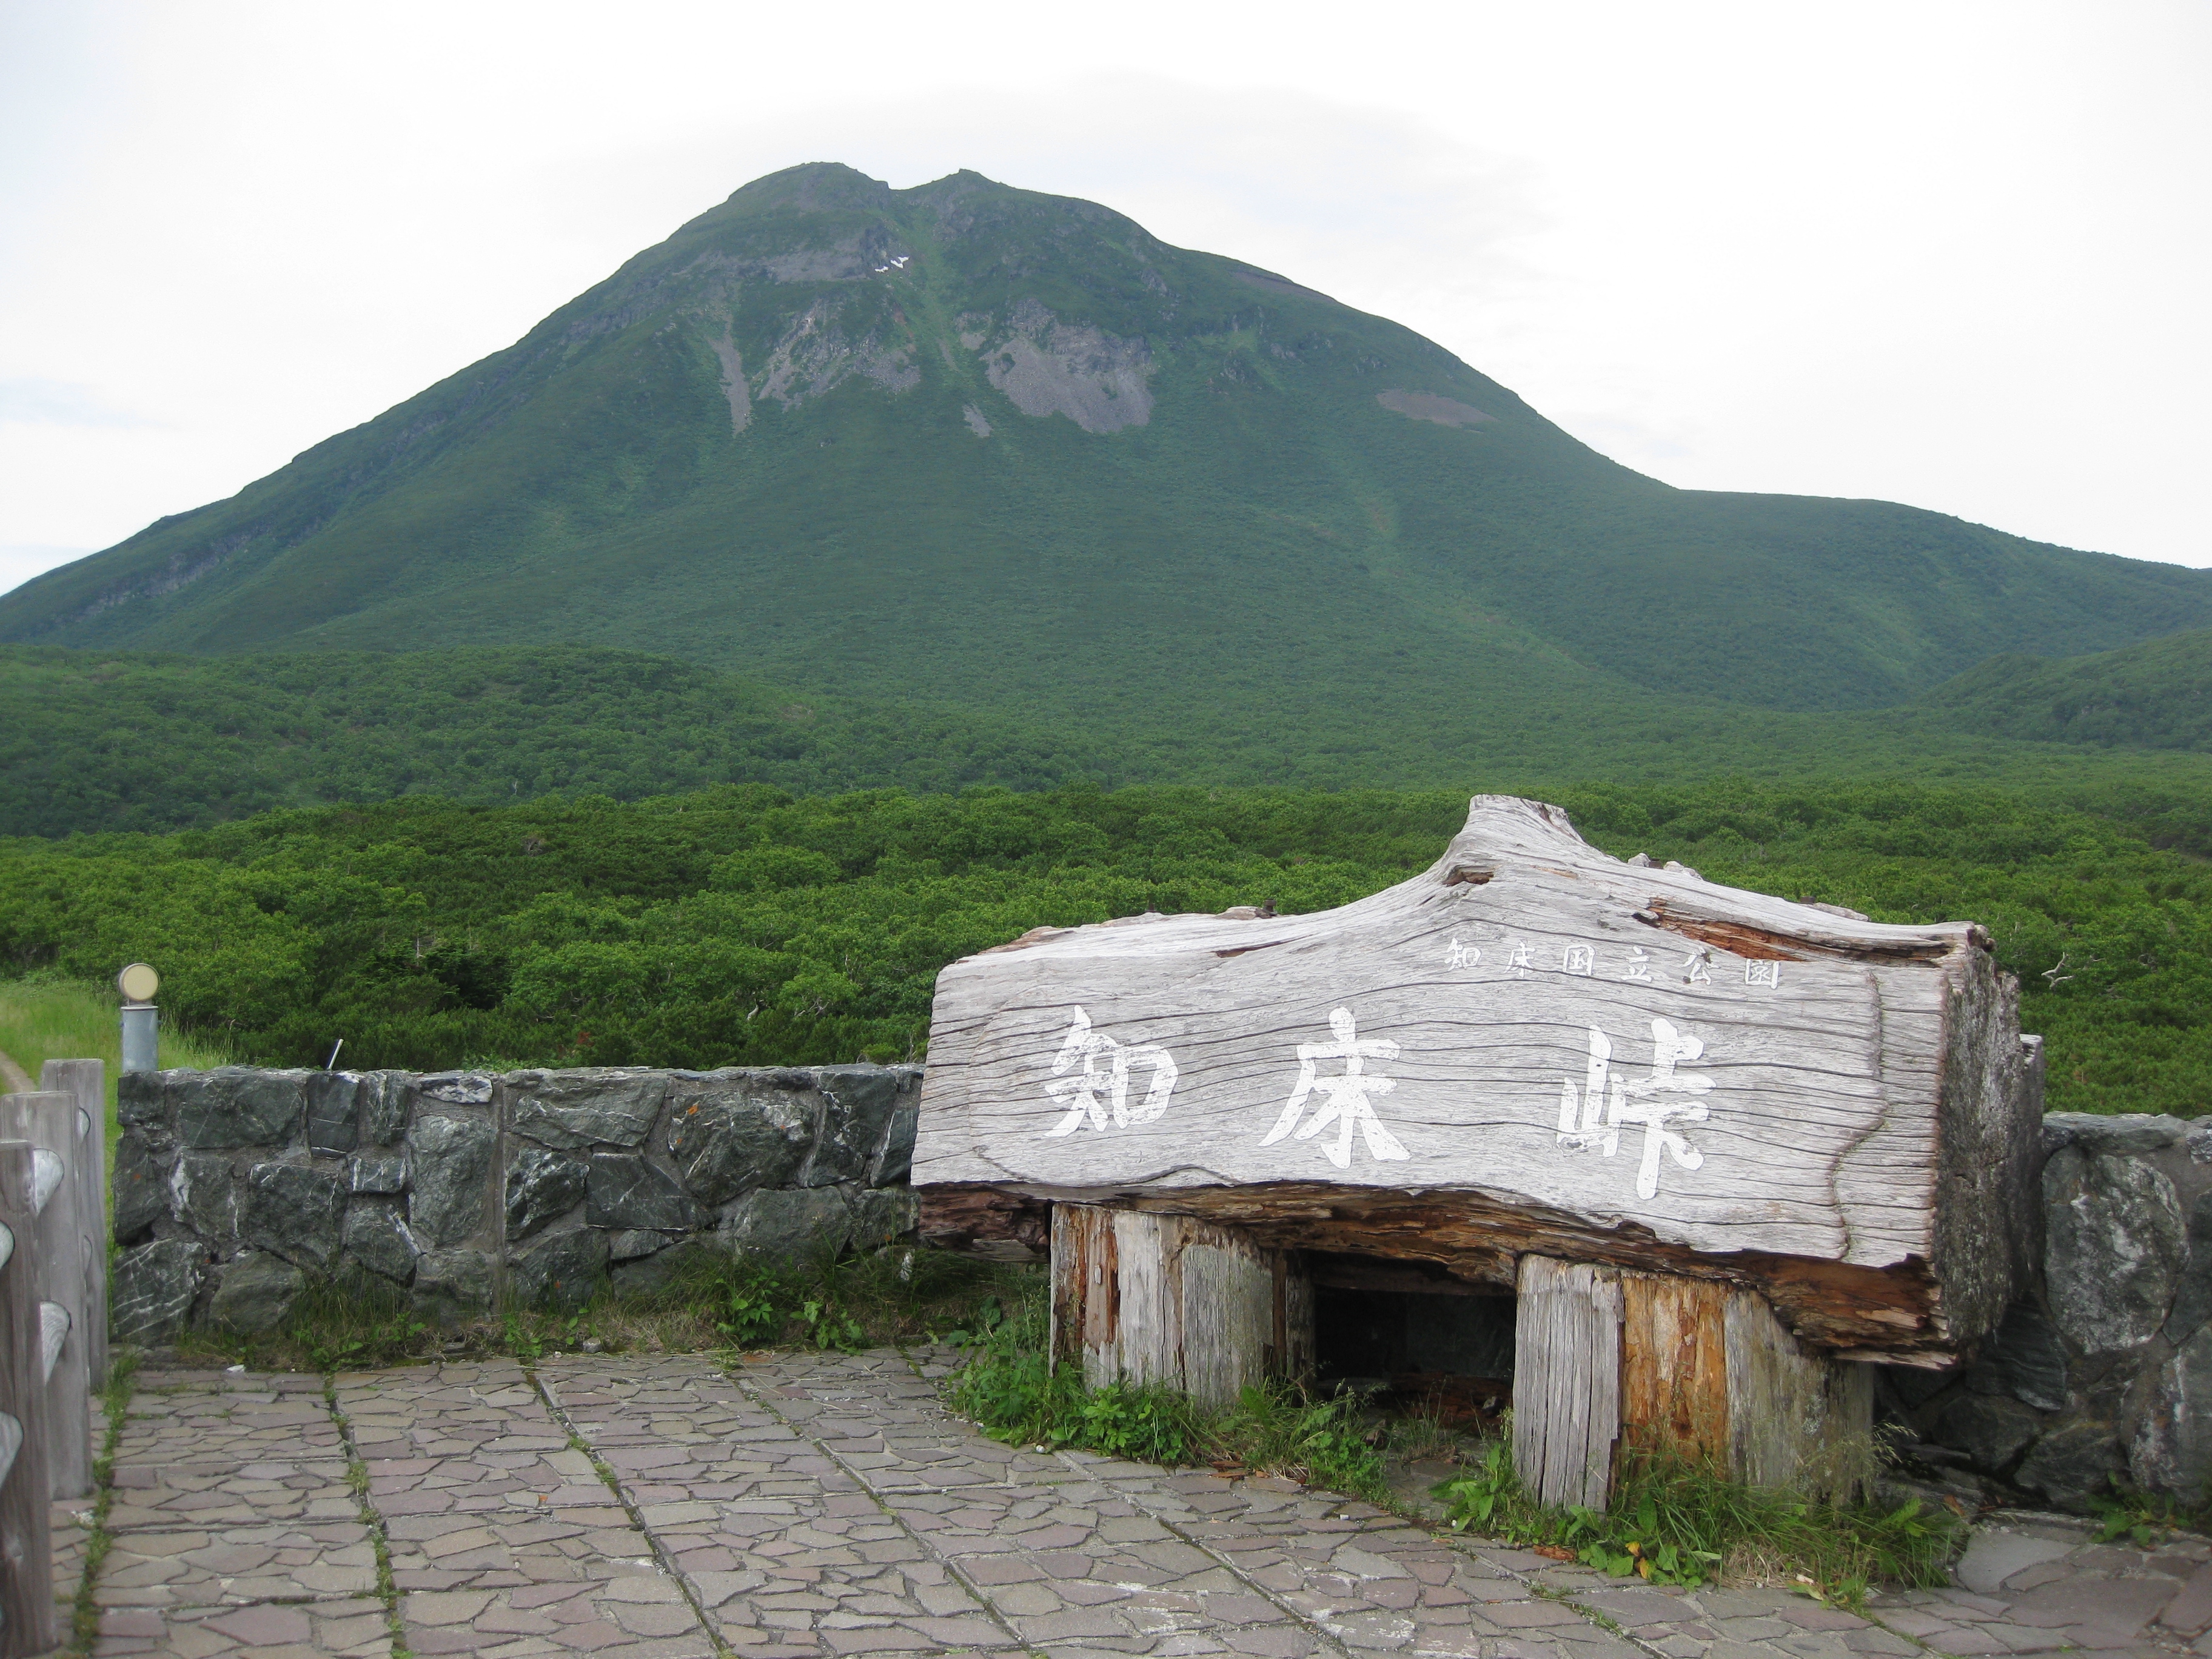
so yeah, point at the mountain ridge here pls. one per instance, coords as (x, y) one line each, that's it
(1008, 451)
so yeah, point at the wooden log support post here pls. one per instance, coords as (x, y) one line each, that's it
(1529, 1050)
(29, 1622)
(85, 1081)
(48, 1121)
(1167, 1300)
(1611, 1363)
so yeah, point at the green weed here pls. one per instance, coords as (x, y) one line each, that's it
(1673, 1522)
(2144, 1518)
(1011, 1389)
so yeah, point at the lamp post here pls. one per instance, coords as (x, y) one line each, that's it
(141, 1019)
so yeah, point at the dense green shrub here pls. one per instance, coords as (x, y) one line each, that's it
(742, 926)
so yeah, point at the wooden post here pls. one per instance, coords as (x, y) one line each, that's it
(1608, 1361)
(1171, 1300)
(1567, 1380)
(28, 1624)
(48, 1121)
(86, 1080)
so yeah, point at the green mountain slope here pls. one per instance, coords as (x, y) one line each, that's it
(1007, 452)
(2157, 695)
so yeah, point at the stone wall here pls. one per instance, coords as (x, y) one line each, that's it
(234, 1187)
(2102, 1371)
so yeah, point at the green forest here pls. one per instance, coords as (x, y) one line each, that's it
(107, 740)
(745, 924)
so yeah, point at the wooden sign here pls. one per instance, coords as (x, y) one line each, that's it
(1530, 1047)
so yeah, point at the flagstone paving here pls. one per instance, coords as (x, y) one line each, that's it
(807, 1506)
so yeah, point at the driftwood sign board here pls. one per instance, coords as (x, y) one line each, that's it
(1531, 1047)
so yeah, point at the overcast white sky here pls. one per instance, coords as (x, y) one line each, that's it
(1953, 254)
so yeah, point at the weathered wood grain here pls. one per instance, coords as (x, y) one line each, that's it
(1567, 1380)
(1529, 1046)
(1796, 1417)
(48, 1121)
(85, 1081)
(1673, 1365)
(27, 1621)
(1166, 1300)
(1611, 1363)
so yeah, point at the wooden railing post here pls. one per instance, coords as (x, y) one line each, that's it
(48, 1122)
(86, 1082)
(28, 1624)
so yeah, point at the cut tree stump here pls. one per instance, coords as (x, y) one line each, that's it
(1177, 1303)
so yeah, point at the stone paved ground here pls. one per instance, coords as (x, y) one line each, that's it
(817, 1505)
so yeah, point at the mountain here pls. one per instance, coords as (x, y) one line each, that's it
(975, 449)
(2157, 695)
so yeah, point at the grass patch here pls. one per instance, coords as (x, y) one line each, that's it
(2145, 1518)
(43, 1020)
(1668, 1523)
(1672, 1522)
(739, 1301)
(1010, 1390)
(115, 1401)
(388, 1587)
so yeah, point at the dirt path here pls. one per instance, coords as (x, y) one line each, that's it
(17, 1080)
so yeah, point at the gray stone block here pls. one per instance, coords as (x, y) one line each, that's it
(541, 1187)
(859, 1102)
(151, 1293)
(294, 1210)
(652, 1275)
(456, 1088)
(377, 1172)
(453, 1285)
(629, 1190)
(882, 1215)
(787, 1224)
(2118, 1136)
(2114, 1237)
(450, 1157)
(333, 1102)
(728, 1137)
(384, 1099)
(1914, 1386)
(2192, 1291)
(257, 1294)
(203, 1193)
(1990, 1429)
(2171, 1448)
(140, 1178)
(376, 1238)
(630, 1244)
(2072, 1464)
(596, 1106)
(894, 1165)
(2024, 1360)
(142, 1099)
(564, 1270)
(1992, 1557)
(240, 1106)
